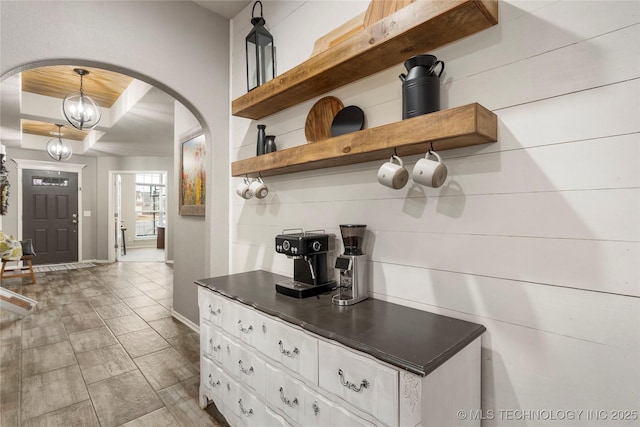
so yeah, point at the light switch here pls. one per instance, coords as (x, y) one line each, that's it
(87, 213)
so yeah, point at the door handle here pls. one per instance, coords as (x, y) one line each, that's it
(74, 221)
(74, 215)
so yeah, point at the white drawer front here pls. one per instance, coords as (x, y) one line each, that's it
(211, 342)
(285, 394)
(213, 378)
(294, 349)
(247, 325)
(317, 411)
(275, 420)
(250, 369)
(251, 410)
(361, 381)
(344, 418)
(213, 308)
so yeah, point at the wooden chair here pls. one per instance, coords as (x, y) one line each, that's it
(25, 271)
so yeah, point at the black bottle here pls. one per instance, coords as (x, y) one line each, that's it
(260, 148)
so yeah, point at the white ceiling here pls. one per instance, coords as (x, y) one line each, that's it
(146, 129)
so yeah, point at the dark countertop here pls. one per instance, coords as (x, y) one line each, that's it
(414, 340)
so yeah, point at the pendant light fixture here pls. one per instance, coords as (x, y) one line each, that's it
(81, 111)
(58, 149)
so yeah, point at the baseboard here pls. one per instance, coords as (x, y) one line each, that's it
(186, 321)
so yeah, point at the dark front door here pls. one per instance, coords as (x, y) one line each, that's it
(50, 215)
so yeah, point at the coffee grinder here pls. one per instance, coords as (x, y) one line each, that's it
(353, 266)
(309, 251)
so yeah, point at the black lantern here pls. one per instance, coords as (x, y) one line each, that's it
(261, 59)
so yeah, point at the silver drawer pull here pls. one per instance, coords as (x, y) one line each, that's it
(315, 407)
(244, 411)
(288, 353)
(214, 312)
(212, 384)
(216, 348)
(289, 403)
(349, 385)
(245, 370)
(245, 330)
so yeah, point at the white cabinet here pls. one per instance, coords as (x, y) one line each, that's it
(262, 371)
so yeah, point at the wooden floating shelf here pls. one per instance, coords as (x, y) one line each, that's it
(414, 29)
(464, 126)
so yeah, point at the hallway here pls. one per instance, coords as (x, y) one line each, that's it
(100, 349)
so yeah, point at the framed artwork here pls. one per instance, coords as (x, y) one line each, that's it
(193, 177)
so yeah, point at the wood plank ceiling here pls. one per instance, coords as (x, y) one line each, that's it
(104, 87)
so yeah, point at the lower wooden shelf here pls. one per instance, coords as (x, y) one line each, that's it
(463, 126)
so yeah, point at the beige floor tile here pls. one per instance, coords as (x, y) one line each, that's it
(160, 418)
(47, 358)
(160, 294)
(147, 286)
(143, 342)
(127, 292)
(10, 409)
(10, 356)
(169, 327)
(188, 345)
(40, 319)
(123, 398)
(114, 310)
(165, 368)
(166, 303)
(76, 415)
(139, 301)
(126, 324)
(80, 322)
(82, 307)
(153, 312)
(52, 390)
(49, 334)
(91, 339)
(101, 300)
(105, 362)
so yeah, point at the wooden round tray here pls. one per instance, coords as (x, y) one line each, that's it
(318, 124)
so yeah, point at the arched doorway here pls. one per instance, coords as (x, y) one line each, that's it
(173, 46)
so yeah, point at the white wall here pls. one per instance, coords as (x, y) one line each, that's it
(535, 236)
(176, 46)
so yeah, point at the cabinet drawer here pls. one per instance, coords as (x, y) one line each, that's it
(285, 394)
(275, 420)
(251, 410)
(213, 378)
(213, 308)
(363, 382)
(319, 411)
(294, 349)
(250, 369)
(247, 325)
(211, 342)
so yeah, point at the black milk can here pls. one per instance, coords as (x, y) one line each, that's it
(421, 86)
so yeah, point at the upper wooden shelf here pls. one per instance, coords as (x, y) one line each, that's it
(470, 124)
(415, 29)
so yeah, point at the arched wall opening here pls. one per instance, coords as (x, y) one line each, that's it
(178, 47)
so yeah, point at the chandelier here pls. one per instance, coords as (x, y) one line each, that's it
(81, 111)
(58, 149)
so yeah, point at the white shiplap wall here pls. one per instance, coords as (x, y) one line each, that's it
(535, 236)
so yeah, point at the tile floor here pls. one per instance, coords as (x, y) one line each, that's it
(100, 349)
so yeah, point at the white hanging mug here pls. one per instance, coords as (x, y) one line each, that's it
(431, 173)
(393, 173)
(259, 189)
(244, 190)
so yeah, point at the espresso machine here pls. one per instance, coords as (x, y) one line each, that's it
(353, 266)
(309, 251)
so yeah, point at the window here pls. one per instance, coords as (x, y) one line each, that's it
(151, 199)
